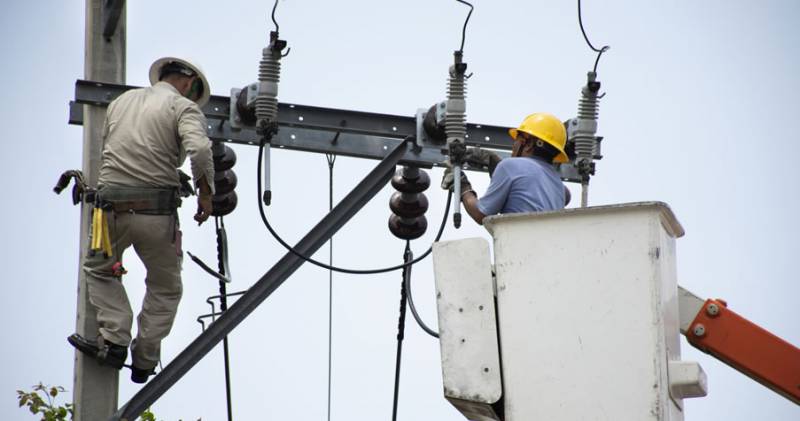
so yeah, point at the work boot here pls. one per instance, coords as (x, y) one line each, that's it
(106, 353)
(140, 375)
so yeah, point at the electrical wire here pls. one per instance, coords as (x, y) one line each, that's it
(222, 266)
(583, 31)
(331, 267)
(331, 158)
(206, 268)
(422, 325)
(464, 30)
(401, 327)
(277, 27)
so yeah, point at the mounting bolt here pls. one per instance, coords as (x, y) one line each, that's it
(699, 330)
(712, 309)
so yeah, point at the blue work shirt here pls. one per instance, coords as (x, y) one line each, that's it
(523, 184)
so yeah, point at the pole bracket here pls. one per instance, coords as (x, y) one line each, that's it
(111, 12)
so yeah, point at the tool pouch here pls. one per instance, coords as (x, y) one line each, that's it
(147, 201)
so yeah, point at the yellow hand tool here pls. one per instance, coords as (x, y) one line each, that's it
(101, 237)
(106, 235)
(95, 240)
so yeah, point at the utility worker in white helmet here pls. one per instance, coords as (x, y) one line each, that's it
(147, 135)
(526, 182)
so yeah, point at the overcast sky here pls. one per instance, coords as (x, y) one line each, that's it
(701, 112)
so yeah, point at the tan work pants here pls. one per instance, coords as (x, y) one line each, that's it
(156, 240)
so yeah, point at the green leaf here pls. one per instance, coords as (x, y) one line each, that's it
(53, 391)
(147, 415)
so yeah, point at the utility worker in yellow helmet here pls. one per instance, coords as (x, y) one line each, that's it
(148, 134)
(526, 182)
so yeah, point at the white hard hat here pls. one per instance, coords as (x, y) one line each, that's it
(155, 72)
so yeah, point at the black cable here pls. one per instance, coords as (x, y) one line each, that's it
(273, 17)
(464, 30)
(583, 31)
(401, 327)
(222, 264)
(206, 268)
(422, 325)
(334, 268)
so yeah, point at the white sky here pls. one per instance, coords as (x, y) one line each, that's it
(700, 113)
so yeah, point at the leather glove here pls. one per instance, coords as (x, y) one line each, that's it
(447, 180)
(481, 157)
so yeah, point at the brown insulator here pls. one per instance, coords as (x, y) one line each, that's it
(224, 157)
(407, 229)
(408, 205)
(224, 204)
(411, 180)
(224, 182)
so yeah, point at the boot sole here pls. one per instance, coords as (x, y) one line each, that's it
(90, 348)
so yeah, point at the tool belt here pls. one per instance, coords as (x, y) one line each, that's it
(147, 199)
(143, 200)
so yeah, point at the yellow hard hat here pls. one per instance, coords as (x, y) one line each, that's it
(547, 127)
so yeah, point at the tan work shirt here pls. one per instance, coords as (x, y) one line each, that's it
(147, 135)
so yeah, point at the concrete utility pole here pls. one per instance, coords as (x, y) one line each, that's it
(95, 388)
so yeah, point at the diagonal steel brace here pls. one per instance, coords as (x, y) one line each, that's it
(318, 236)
